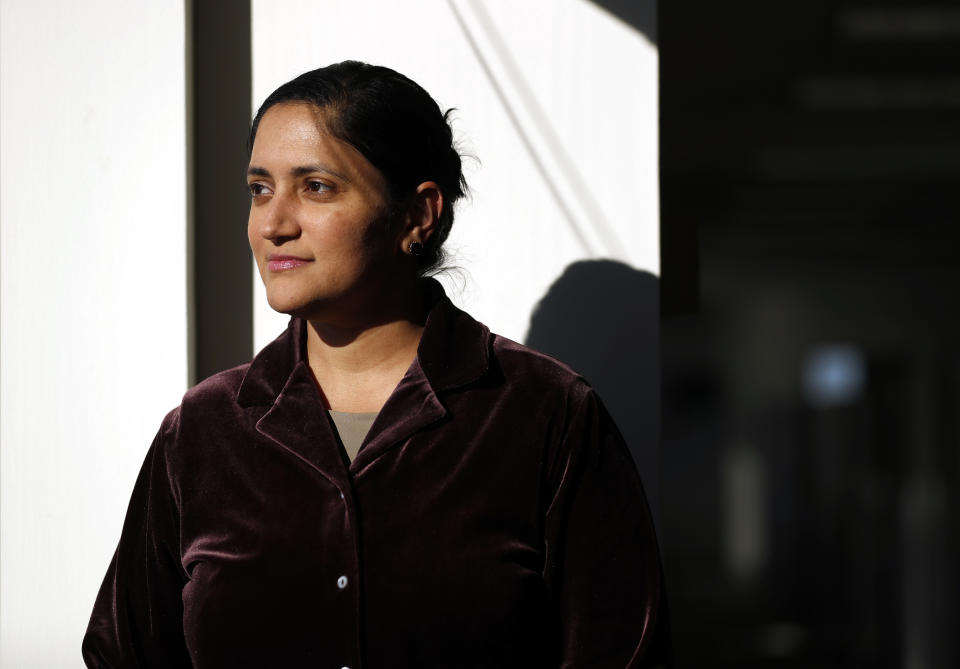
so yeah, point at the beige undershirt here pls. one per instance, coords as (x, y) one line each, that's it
(352, 428)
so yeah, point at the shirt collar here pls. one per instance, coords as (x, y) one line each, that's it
(454, 350)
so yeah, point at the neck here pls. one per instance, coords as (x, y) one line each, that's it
(357, 365)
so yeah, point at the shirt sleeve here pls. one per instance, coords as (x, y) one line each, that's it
(137, 619)
(603, 566)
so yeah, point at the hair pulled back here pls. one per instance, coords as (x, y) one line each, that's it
(394, 124)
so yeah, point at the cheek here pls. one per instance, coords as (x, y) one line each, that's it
(346, 233)
(253, 239)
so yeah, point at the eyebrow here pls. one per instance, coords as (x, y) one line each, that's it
(255, 171)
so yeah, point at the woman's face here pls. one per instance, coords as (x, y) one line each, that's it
(319, 226)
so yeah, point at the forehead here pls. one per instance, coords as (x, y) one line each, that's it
(291, 122)
(295, 134)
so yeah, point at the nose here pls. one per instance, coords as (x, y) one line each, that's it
(276, 220)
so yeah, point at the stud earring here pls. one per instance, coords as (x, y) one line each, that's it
(416, 249)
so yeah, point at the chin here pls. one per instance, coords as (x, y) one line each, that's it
(332, 303)
(291, 308)
(298, 306)
(285, 303)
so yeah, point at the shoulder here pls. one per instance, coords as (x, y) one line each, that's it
(531, 363)
(221, 388)
(545, 391)
(211, 402)
(538, 374)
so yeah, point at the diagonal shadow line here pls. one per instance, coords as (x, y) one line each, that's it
(640, 15)
(608, 236)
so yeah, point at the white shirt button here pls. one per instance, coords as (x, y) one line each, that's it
(342, 583)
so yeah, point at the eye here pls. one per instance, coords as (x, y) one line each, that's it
(315, 186)
(257, 189)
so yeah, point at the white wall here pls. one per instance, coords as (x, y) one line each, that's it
(93, 308)
(582, 87)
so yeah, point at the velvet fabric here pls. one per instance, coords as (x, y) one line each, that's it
(492, 518)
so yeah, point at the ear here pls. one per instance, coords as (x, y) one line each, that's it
(423, 214)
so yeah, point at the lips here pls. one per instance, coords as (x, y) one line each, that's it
(280, 263)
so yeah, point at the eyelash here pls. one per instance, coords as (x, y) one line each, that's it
(322, 187)
(313, 186)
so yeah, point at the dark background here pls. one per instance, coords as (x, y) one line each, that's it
(810, 154)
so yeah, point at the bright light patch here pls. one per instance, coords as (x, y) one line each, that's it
(833, 375)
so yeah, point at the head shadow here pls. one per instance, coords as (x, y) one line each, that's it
(601, 317)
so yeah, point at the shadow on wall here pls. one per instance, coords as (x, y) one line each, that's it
(601, 318)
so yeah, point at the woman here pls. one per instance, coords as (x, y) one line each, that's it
(387, 484)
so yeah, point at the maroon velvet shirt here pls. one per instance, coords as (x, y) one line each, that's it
(492, 518)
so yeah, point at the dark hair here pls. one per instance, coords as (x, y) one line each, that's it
(395, 124)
